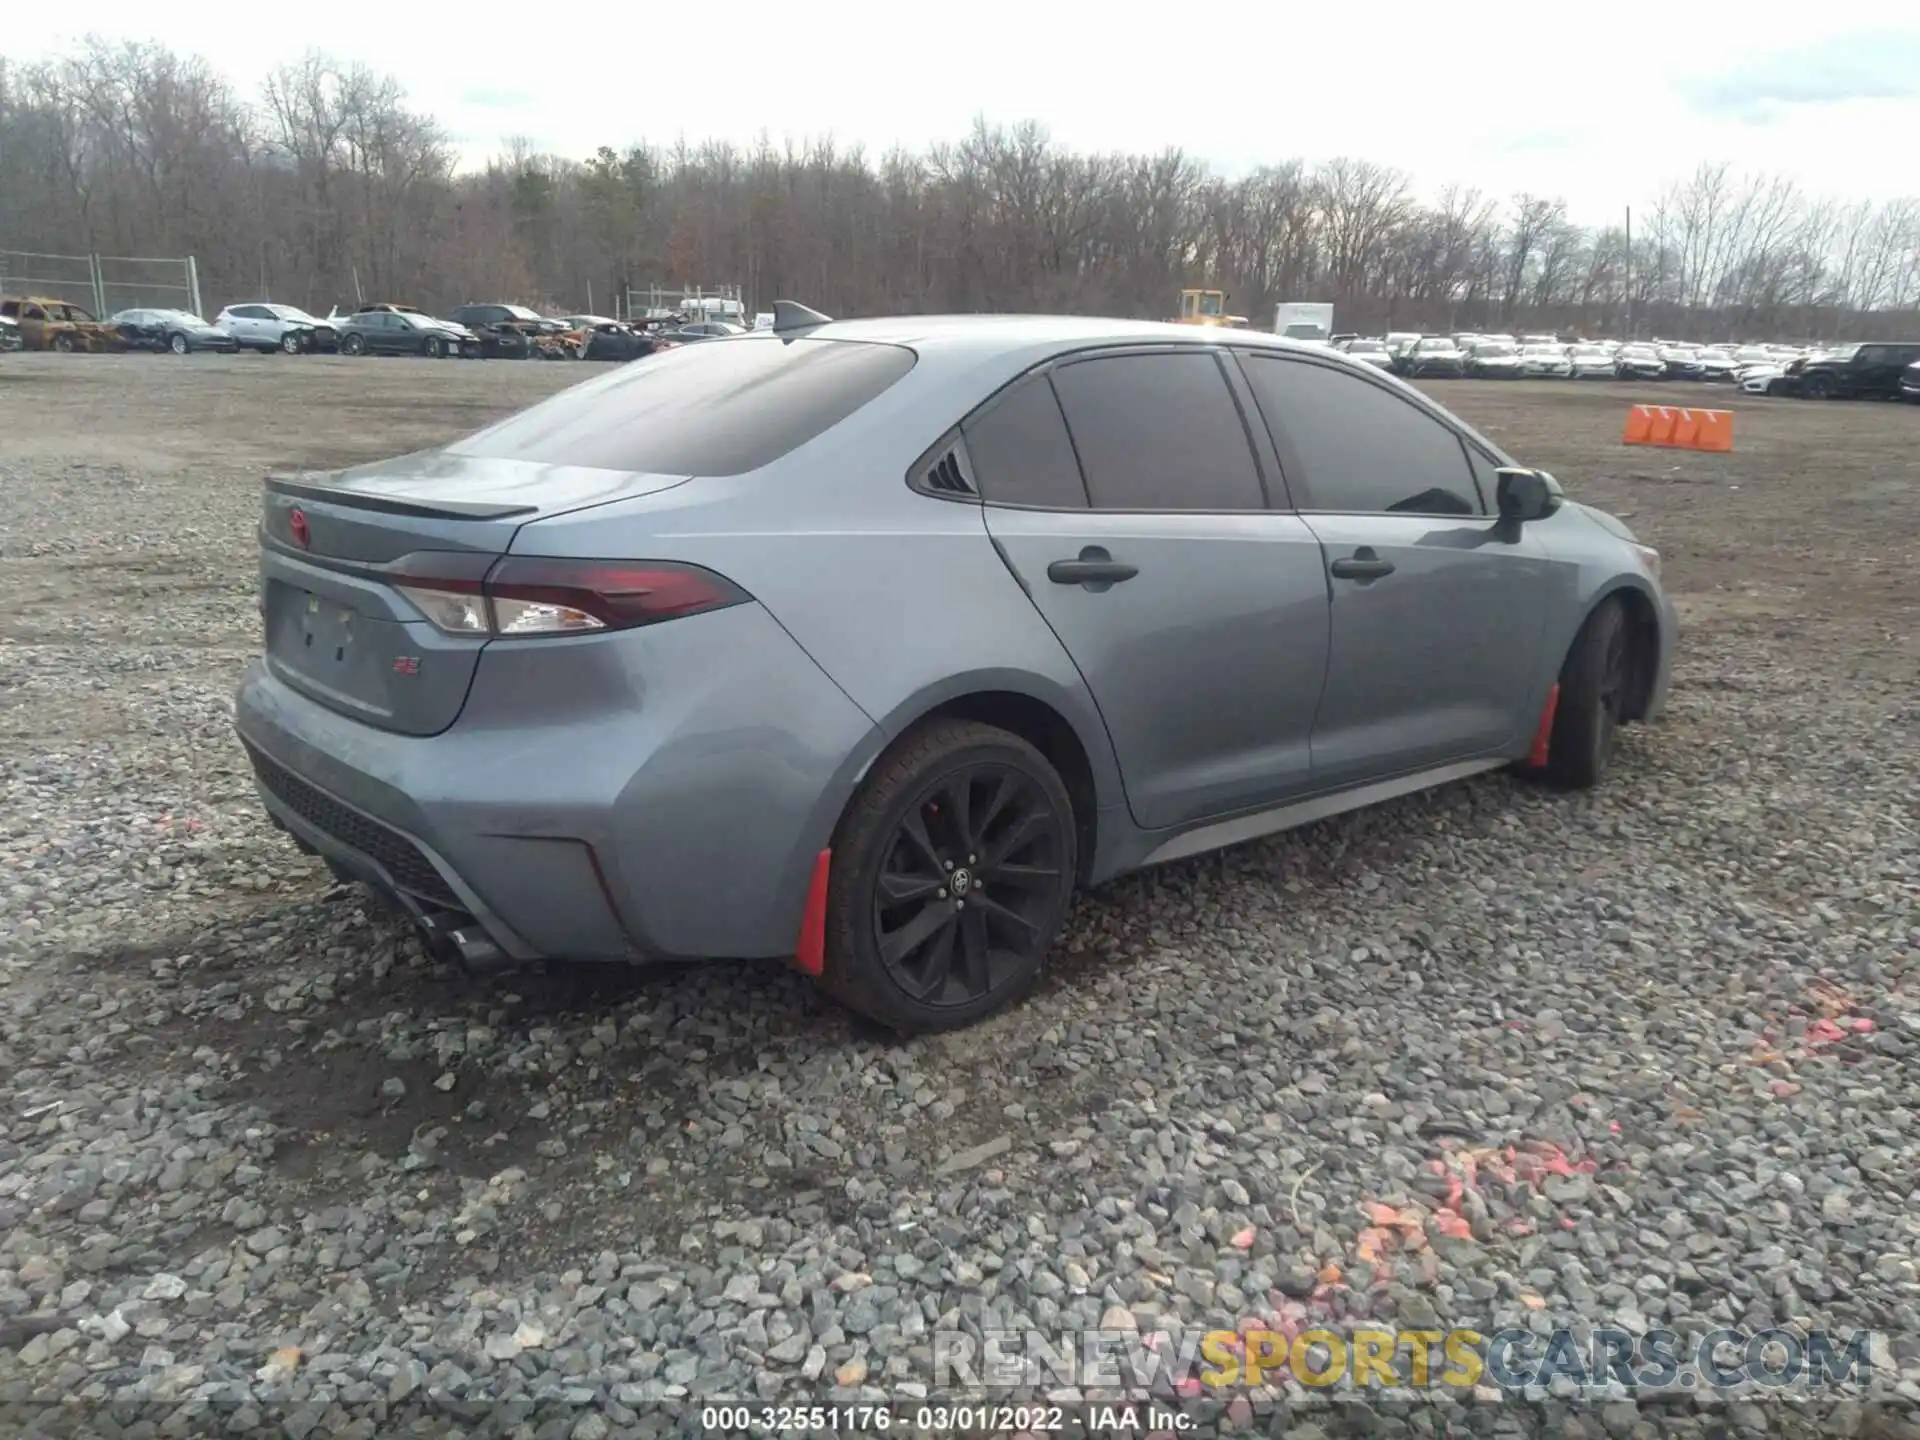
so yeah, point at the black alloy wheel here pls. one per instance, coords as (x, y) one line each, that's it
(952, 873)
(967, 885)
(1596, 688)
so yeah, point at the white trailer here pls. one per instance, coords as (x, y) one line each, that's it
(1312, 323)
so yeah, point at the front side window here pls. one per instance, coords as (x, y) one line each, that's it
(1361, 448)
(1158, 432)
(720, 409)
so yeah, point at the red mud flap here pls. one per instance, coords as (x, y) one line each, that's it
(1543, 737)
(810, 955)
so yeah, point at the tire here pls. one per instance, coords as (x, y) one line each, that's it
(177, 343)
(351, 344)
(436, 348)
(1594, 685)
(64, 344)
(1817, 386)
(933, 823)
(289, 343)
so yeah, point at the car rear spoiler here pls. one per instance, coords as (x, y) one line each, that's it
(302, 488)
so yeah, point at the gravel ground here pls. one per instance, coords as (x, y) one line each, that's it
(1493, 1055)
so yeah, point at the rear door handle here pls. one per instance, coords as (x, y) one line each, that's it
(1363, 564)
(1093, 567)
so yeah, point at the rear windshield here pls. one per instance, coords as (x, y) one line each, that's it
(717, 407)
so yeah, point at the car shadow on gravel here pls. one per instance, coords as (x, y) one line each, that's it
(355, 1042)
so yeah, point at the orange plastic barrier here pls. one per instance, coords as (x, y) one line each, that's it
(1679, 429)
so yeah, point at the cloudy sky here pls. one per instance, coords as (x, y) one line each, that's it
(1590, 102)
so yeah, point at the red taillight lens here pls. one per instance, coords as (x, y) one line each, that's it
(533, 596)
(526, 595)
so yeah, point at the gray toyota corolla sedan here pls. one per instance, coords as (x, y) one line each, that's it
(861, 644)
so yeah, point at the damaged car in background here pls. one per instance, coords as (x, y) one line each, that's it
(516, 332)
(48, 324)
(1432, 356)
(604, 338)
(1681, 362)
(402, 330)
(1370, 352)
(1545, 360)
(270, 327)
(1639, 362)
(1492, 359)
(175, 331)
(1590, 362)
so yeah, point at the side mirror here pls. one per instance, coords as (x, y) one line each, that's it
(1524, 495)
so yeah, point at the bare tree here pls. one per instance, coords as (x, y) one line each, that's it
(330, 180)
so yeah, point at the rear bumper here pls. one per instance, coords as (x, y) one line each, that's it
(400, 865)
(658, 793)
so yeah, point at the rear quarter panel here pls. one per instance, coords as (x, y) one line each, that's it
(900, 598)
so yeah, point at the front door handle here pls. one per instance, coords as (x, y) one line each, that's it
(1363, 564)
(1093, 567)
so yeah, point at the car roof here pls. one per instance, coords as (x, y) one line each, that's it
(962, 358)
(937, 337)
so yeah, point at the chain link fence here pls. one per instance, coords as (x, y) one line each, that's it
(129, 282)
(103, 284)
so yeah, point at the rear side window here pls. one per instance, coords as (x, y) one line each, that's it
(1020, 453)
(1158, 432)
(1362, 449)
(720, 407)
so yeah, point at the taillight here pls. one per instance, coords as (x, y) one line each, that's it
(524, 595)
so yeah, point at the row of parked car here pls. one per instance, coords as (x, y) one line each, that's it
(494, 331)
(1883, 369)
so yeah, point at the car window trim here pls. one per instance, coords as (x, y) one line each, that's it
(1416, 399)
(1042, 375)
(1167, 347)
(954, 438)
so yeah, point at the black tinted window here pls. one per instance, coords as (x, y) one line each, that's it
(1158, 432)
(719, 408)
(1360, 447)
(1020, 452)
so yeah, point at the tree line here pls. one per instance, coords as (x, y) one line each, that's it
(328, 186)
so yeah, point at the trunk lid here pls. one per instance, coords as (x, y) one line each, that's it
(333, 547)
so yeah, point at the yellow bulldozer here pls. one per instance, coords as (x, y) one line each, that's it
(1207, 307)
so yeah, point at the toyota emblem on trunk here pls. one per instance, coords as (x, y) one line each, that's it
(302, 532)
